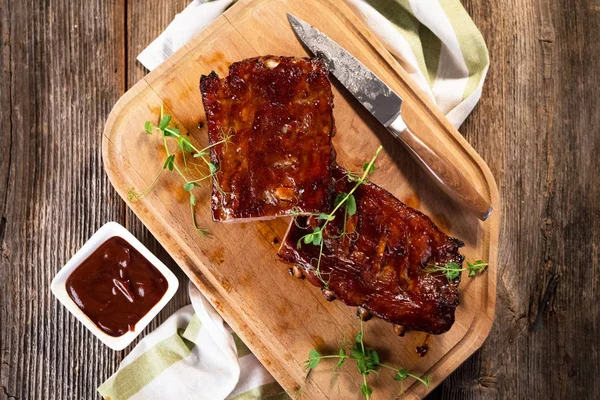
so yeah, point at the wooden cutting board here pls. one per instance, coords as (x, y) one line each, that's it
(281, 318)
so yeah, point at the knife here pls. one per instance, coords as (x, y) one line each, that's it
(386, 106)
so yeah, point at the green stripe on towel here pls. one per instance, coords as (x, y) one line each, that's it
(270, 391)
(472, 45)
(242, 349)
(144, 369)
(425, 45)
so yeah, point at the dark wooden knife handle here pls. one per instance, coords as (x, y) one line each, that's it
(443, 172)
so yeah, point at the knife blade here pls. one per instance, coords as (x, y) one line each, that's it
(369, 90)
(386, 106)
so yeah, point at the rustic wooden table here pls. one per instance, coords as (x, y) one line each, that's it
(65, 65)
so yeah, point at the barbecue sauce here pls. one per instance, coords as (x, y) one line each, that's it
(422, 350)
(116, 286)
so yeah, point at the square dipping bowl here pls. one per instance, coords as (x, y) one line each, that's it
(59, 287)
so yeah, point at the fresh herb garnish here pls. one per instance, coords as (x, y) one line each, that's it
(346, 200)
(192, 173)
(367, 361)
(452, 270)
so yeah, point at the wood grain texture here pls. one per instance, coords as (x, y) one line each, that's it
(536, 126)
(63, 68)
(264, 311)
(447, 176)
(63, 75)
(143, 22)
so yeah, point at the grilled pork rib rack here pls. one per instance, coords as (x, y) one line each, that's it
(276, 113)
(379, 264)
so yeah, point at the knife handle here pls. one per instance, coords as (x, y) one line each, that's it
(443, 172)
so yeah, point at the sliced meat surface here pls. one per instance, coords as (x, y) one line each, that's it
(380, 263)
(278, 115)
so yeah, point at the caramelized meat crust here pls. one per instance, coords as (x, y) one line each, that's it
(278, 113)
(380, 263)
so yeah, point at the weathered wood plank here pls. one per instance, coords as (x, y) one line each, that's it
(64, 70)
(537, 128)
(58, 82)
(145, 20)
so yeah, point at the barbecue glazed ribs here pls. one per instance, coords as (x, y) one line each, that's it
(380, 264)
(278, 112)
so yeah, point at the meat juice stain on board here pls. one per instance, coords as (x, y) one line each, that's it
(217, 62)
(424, 348)
(413, 201)
(442, 222)
(155, 110)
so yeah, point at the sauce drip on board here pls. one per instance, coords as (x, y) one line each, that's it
(116, 286)
(422, 350)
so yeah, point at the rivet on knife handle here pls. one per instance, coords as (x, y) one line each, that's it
(443, 172)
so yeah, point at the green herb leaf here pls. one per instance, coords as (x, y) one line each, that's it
(326, 217)
(342, 358)
(173, 131)
(366, 390)
(358, 337)
(148, 127)
(362, 366)
(357, 354)
(341, 197)
(313, 359)
(476, 267)
(164, 122)
(452, 270)
(401, 375)
(353, 177)
(374, 357)
(371, 169)
(452, 274)
(351, 205)
(169, 162)
(426, 380)
(212, 167)
(317, 236)
(168, 133)
(308, 238)
(184, 144)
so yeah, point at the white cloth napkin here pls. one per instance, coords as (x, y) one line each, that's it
(194, 354)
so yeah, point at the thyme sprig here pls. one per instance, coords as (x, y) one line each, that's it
(346, 200)
(452, 270)
(186, 148)
(367, 361)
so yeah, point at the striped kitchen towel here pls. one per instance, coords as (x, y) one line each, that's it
(194, 354)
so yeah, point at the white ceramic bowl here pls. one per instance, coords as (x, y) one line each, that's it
(59, 288)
